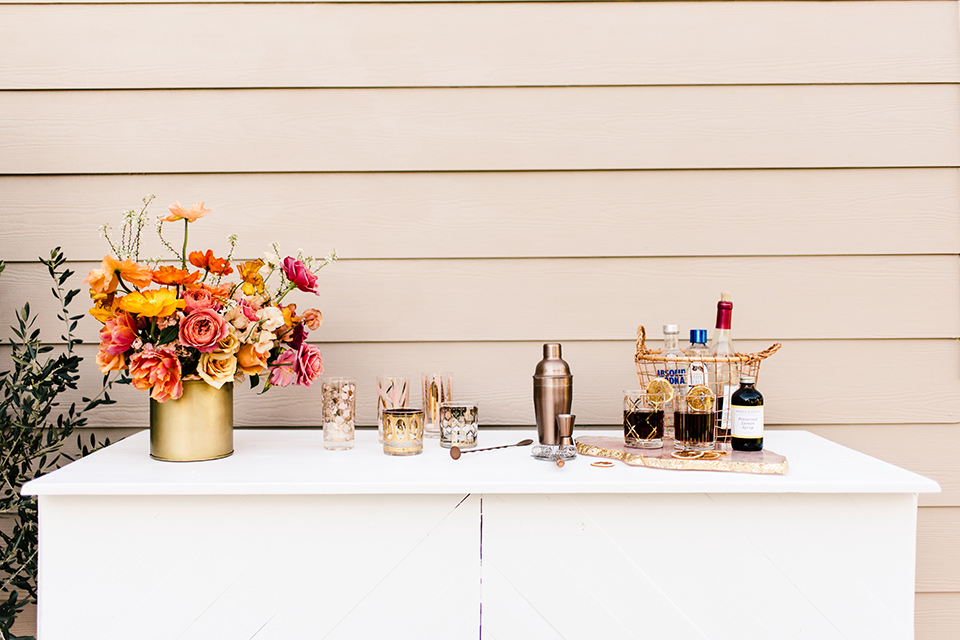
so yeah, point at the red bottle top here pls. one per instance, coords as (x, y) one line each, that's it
(724, 314)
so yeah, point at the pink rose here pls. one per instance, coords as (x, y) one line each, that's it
(309, 364)
(197, 300)
(297, 273)
(159, 371)
(118, 334)
(282, 374)
(203, 330)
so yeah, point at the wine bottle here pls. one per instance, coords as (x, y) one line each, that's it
(721, 346)
(747, 405)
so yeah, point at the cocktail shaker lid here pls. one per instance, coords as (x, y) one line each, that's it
(552, 365)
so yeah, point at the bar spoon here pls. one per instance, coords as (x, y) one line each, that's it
(455, 452)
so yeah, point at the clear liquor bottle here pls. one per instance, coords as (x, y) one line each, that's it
(674, 372)
(697, 372)
(721, 346)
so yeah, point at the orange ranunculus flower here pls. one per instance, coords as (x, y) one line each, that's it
(128, 270)
(158, 371)
(108, 362)
(251, 361)
(192, 214)
(172, 275)
(207, 261)
(102, 281)
(252, 280)
(151, 304)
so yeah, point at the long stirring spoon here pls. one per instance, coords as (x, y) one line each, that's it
(455, 452)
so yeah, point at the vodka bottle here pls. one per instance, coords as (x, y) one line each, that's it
(675, 372)
(697, 371)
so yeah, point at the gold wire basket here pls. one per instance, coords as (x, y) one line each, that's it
(722, 372)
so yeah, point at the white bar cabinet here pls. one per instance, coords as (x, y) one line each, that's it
(284, 540)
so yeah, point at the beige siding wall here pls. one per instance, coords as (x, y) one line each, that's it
(495, 175)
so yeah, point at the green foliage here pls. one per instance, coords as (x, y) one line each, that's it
(33, 430)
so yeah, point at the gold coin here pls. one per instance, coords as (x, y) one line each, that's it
(659, 391)
(687, 455)
(710, 455)
(700, 398)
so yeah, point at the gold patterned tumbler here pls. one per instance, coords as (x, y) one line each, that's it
(403, 432)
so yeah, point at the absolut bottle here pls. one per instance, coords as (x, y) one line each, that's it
(674, 372)
(747, 405)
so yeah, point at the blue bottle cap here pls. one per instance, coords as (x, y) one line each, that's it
(698, 336)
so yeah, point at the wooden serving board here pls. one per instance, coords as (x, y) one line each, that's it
(765, 461)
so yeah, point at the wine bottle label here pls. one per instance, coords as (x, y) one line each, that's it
(747, 422)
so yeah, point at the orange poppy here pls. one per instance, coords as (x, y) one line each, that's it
(172, 275)
(207, 261)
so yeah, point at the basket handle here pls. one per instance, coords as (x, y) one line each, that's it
(641, 342)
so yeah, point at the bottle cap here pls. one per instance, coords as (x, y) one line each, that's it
(669, 329)
(748, 379)
(698, 336)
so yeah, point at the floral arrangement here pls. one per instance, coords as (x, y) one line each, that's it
(167, 323)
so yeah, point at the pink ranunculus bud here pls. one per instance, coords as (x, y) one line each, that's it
(297, 273)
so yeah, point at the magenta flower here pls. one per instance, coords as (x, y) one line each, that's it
(309, 364)
(297, 273)
(283, 373)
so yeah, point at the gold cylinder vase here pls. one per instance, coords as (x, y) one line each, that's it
(197, 426)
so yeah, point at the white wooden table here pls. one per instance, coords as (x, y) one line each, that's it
(284, 540)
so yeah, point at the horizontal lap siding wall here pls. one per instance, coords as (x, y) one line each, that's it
(623, 161)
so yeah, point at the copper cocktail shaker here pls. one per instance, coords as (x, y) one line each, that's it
(552, 393)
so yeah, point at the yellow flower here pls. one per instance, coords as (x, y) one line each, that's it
(252, 280)
(156, 303)
(217, 368)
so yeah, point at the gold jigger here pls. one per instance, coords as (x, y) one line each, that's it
(197, 426)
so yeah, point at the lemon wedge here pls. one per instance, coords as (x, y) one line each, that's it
(659, 392)
(700, 398)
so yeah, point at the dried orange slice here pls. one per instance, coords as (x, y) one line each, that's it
(700, 398)
(659, 392)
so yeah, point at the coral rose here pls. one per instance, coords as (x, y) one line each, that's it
(282, 374)
(309, 364)
(192, 214)
(203, 330)
(151, 304)
(297, 273)
(159, 371)
(108, 362)
(217, 368)
(251, 361)
(196, 300)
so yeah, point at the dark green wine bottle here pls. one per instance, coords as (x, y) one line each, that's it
(747, 405)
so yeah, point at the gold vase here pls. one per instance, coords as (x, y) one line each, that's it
(196, 426)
